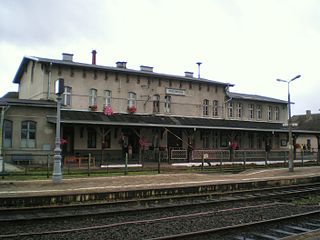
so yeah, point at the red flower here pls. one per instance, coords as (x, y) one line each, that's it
(132, 109)
(107, 110)
(63, 141)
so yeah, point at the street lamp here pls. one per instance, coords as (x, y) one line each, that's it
(57, 175)
(290, 156)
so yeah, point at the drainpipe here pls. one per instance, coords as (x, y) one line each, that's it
(49, 80)
(225, 102)
(1, 138)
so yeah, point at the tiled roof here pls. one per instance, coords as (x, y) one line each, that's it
(307, 122)
(117, 119)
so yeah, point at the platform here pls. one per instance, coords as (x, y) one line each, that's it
(40, 192)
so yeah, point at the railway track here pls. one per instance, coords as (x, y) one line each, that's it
(62, 211)
(188, 216)
(192, 225)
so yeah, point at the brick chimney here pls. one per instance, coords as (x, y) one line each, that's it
(94, 53)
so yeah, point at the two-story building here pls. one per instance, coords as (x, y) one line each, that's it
(111, 110)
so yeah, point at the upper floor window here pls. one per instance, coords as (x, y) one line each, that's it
(215, 108)
(28, 134)
(277, 113)
(251, 111)
(66, 96)
(259, 112)
(230, 109)
(156, 103)
(132, 99)
(239, 110)
(107, 97)
(167, 104)
(7, 134)
(269, 113)
(205, 107)
(92, 97)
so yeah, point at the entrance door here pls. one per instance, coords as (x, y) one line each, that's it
(68, 136)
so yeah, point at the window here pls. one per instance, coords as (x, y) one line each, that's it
(239, 110)
(276, 113)
(269, 113)
(93, 97)
(107, 140)
(230, 109)
(132, 99)
(259, 112)
(251, 111)
(215, 110)
(7, 134)
(167, 104)
(107, 97)
(205, 107)
(92, 138)
(156, 103)
(66, 96)
(28, 134)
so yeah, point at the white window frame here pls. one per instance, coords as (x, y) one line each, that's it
(215, 108)
(67, 96)
(269, 113)
(132, 99)
(167, 104)
(239, 110)
(205, 107)
(93, 97)
(259, 112)
(251, 111)
(28, 141)
(277, 113)
(107, 97)
(230, 109)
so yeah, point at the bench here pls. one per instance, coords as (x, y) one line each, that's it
(22, 158)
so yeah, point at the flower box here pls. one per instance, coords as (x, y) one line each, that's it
(132, 109)
(93, 107)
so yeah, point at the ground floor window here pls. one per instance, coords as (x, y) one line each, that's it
(7, 134)
(28, 134)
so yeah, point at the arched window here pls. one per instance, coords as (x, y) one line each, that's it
(205, 107)
(107, 97)
(132, 99)
(215, 108)
(28, 134)
(92, 97)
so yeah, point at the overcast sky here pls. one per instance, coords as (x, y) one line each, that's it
(249, 43)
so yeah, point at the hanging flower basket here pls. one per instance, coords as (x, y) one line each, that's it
(107, 110)
(132, 109)
(63, 141)
(93, 107)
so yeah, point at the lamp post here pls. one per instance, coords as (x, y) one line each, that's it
(290, 156)
(57, 175)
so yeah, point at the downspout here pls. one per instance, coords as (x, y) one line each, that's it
(225, 102)
(3, 108)
(49, 81)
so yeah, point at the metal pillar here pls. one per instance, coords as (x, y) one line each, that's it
(57, 175)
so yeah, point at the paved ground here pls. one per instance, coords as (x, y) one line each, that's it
(121, 183)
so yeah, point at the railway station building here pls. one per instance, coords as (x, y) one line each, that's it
(109, 111)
